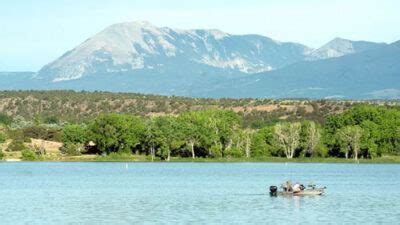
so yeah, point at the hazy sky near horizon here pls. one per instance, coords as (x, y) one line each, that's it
(35, 32)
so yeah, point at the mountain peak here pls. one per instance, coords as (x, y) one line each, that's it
(140, 23)
(339, 47)
(339, 39)
(141, 47)
(136, 46)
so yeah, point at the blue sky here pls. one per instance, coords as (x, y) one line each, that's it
(35, 32)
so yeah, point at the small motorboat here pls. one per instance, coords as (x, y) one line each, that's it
(287, 190)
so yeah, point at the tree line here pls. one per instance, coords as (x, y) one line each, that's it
(364, 131)
(81, 107)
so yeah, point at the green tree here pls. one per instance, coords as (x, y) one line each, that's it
(350, 139)
(170, 135)
(371, 135)
(116, 133)
(223, 124)
(153, 139)
(288, 136)
(74, 133)
(194, 129)
(262, 143)
(310, 137)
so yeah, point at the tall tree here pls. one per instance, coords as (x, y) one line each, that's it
(193, 126)
(151, 138)
(288, 135)
(224, 124)
(170, 134)
(263, 142)
(310, 137)
(350, 139)
(248, 133)
(116, 133)
(74, 133)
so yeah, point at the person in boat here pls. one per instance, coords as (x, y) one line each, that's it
(287, 186)
(296, 188)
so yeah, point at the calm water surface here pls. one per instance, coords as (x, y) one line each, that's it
(195, 193)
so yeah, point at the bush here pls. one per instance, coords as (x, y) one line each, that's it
(234, 152)
(5, 119)
(18, 135)
(42, 132)
(74, 133)
(1, 154)
(72, 149)
(28, 155)
(321, 151)
(3, 137)
(51, 120)
(16, 145)
(215, 151)
(39, 150)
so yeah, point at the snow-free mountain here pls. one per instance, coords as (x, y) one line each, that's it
(373, 74)
(139, 46)
(339, 47)
(141, 57)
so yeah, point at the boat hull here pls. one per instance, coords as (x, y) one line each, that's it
(312, 192)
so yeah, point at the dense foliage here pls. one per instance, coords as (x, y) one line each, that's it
(180, 127)
(58, 107)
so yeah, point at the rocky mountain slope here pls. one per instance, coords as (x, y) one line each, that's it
(373, 74)
(140, 57)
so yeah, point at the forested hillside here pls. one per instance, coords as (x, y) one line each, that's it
(165, 127)
(70, 106)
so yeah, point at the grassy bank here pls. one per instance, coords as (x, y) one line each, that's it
(142, 158)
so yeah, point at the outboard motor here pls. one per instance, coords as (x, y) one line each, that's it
(273, 190)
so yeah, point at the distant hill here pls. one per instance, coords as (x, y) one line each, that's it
(17, 80)
(373, 74)
(81, 106)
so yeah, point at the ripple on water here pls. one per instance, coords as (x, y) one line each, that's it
(195, 193)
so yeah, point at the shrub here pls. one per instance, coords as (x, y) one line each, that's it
(18, 134)
(72, 149)
(51, 120)
(28, 155)
(42, 132)
(74, 133)
(1, 154)
(16, 145)
(5, 119)
(215, 151)
(39, 150)
(234, 152)
(321, 150)
(3, 137)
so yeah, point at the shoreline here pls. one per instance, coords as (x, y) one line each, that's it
(144, 159)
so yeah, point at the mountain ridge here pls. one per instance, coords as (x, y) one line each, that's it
(373, 74)
(136, 46)
(140, 57)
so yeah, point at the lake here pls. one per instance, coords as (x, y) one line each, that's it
(195, 193)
